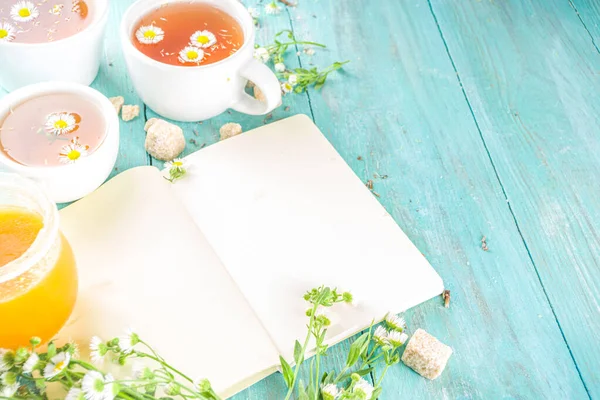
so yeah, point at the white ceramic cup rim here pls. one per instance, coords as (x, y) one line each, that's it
(127, 31)
(97, 20)
(28, 92)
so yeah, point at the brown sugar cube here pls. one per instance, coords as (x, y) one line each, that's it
(426, 355)
(164, 141)
(259, 95)
(130, 112)
(117, 103)
(230, 129)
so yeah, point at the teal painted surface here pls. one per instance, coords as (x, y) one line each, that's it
(484, 115)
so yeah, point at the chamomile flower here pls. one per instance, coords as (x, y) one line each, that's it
(75, 394)
(380, 336)
(57, 364)
(272, 8)
(330, 392)
(7, 32)
(191, 54)
(31, 363)
(9, 391)
(128, 341)
(149, 34)
(280, 67)
(24, 11)
(56, 9)
(178, 164)
(96, 386)
(261, 54)
(395, 322)
(254, 13)
(396, 339)
(71, 153)
(203, 39)
(286, 87)
(293, 80)
(60, 123)
(97, 350)
(363, 389)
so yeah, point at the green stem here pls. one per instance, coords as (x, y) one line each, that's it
(160, 360)
(382, 376)
(304, 346)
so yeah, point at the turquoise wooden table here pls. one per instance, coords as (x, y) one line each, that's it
(484, 116)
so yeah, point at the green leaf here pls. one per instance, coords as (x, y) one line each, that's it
(302, 391)
(51, 352)
(356, 349)
(311, 392)
(376, 393)
(288, 373)
(298, 353)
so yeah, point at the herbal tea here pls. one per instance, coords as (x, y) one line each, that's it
(42, 21)
(53, 129)
(188, 34)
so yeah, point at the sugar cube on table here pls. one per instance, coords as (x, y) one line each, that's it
(426, 355)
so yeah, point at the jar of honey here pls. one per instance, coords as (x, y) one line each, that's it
(38, 277)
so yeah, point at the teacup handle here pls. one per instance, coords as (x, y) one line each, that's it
(268, 84)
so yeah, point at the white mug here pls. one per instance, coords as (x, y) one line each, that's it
(73, 59)
(196, 93)
(65, 183)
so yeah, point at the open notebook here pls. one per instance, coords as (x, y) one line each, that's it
(213, 267)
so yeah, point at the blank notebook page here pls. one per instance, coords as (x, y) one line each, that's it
(285, 213)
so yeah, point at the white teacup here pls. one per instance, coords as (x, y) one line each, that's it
(65, 183)
(73, 59)
(186, 93)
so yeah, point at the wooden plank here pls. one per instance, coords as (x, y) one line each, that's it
(400, 107)
(588, 12)
(530, 74)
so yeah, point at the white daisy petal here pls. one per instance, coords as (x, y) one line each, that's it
(261, 54)
(7, 32)
(179, 163)
(191, 54)
(330, 392)
(293, 79)
(280, 67)
(380, 335)
(31, 362)
(286, 87)
(203, 39)
(24, 11)
(128, 341)
(71, 153)
(396, 339)
(75, 394)
(395, 322)
(272, 8)
(95, 386)
(60, 123)
(363, 389)
(149, 34)
(57, 364)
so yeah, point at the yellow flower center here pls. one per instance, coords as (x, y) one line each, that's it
(149, 34)
(73, 155)
(59, 366)
(192, 55)
(3, 33)
(60, 124)
(203, 39)
(24, 12)
(178, 164)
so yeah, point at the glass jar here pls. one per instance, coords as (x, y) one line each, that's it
(38, 289)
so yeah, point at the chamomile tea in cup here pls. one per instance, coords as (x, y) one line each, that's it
(190, 60)
(50, 40)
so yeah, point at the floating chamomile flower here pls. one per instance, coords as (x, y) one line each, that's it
(60, 123)
(330, 392)
(191, 54)
(57, 364)
(280, 67)
(95, 386)
(7, 32)
(71, 153)
(150, 34)
(261, 54)
(272, 8)
(31, 362)
(75, 394)
(24, 11)
(203, 39)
